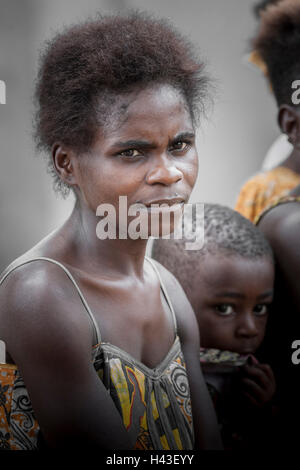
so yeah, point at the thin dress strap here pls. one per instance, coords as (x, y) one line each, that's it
(164, 290)
(96, 332)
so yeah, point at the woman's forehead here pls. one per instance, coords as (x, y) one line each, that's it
(153, 115)
(156, 101)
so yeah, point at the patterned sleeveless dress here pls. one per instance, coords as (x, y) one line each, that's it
(154, 404)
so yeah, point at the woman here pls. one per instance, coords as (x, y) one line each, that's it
(117, 100)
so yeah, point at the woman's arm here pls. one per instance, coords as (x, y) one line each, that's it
(49, 337)
(281, 226)
(207, 434)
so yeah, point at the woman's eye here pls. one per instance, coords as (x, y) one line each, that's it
(180, 146)
(130, 153)
(224, 309)
(260, 309)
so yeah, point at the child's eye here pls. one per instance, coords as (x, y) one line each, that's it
(224, 309)
(260, 309)
(130, 153)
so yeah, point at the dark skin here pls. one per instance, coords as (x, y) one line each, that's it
(232, 303)
(281, 227)
(281, 224)
(43, 323)
(289, 123)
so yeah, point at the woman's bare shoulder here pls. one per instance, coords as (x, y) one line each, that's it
(30, 274)
(281, 224)
(39, 304)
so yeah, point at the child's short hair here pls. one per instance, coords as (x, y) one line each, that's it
(226, 232)
(278, 43)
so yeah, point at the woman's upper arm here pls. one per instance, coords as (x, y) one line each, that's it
(49, 337)
(281, 226)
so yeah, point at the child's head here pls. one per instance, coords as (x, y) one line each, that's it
(260, 6)
(276, 49)
(229, 282)
(277, 42)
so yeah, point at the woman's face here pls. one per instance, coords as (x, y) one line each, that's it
(146, 151)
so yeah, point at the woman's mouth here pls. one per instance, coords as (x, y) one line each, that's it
(165, 202)
(163, 205)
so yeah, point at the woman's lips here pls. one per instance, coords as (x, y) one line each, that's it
(169, 202)
(162, 208)
(162, 205)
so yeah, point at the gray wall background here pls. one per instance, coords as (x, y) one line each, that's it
(231, 143)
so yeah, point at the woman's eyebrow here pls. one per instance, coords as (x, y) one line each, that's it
(183, 136)
(145, 144)
(133, 143)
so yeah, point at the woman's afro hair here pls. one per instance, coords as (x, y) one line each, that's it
(278, 43)
(85, 67)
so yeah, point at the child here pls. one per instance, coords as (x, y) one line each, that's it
(229, 283)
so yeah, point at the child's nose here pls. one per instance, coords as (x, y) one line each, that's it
(247, 327)
(164, 172)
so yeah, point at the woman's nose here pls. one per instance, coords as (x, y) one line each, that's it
(164, 172)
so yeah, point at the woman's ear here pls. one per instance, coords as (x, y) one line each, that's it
(289, 123)
(63, 162)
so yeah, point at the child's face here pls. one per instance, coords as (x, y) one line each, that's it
(233, 297)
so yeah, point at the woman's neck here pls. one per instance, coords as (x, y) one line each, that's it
(109, 256)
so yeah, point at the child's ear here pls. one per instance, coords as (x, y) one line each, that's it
(289, 123)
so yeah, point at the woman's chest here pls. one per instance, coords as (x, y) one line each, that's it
(138, 322)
